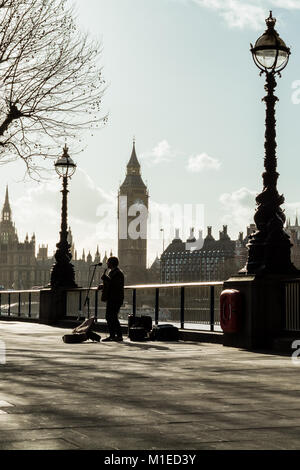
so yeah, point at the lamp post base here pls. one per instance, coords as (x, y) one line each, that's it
(62, 273)
(263, 312)
(63, 276)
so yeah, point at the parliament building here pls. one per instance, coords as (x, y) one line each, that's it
(21, 268)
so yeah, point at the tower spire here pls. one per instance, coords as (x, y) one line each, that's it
(6, 196)
(6, 211)
(133, 175)
(133, 166)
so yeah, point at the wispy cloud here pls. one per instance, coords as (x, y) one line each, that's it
(246, 13)
(238, 208)
(202, 162)
(237, 13)
(287, 4)
(162, 152)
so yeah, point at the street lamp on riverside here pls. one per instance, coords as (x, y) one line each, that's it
(63, 275)
(270, 247)
(163, 231)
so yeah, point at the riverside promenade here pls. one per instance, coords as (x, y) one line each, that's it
(147, 395)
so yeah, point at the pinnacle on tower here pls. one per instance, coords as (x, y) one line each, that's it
(97, 256)
(133, 177)
(133, 162)
(209, 233)
(6, 196)
(6, 211)
(192, 235)
(105, 258)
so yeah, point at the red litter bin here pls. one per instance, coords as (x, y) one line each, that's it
(230, 310)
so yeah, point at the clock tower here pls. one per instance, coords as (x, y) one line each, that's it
(132, 223)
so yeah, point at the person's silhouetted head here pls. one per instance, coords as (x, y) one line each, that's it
(112, 262)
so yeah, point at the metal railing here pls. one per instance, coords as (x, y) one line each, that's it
(19, 304)
(292, 307)
(192, 305)
(188, 305)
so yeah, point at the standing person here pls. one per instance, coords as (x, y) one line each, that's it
(113, 294)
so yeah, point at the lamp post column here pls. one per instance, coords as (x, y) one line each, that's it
(63, 274)
(269, 247)
(64, 210)
(261, 285)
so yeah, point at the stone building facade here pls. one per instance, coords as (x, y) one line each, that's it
(198, 260)
(185, 262)
(17, 259)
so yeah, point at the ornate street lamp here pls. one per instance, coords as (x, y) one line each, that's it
(62, 274)
(270, 247)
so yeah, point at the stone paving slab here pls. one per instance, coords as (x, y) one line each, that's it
(150, 396)
(39, 444)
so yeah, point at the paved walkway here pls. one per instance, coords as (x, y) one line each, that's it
(142, 395)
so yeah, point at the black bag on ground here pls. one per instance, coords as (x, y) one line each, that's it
(75, 338)
(93, 336)
(164, 333)
(137, 333)
(143, 321)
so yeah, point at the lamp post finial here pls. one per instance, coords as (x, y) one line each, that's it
(270, 21)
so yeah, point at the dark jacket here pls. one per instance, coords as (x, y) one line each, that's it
(113, 287)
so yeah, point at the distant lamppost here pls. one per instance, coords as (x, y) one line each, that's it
(163, 231)
(270, 247)
(63, 275)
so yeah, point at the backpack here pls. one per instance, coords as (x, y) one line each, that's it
(164, 333)
(139, 327)
(137, 333)
(143, 321)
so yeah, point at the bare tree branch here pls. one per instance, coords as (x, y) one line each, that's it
(51, 84)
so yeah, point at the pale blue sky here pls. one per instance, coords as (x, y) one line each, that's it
(182, 80)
